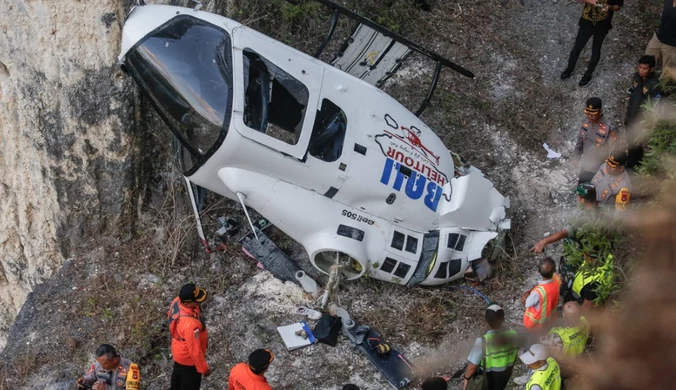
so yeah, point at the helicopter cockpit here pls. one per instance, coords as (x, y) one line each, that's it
(186, 67)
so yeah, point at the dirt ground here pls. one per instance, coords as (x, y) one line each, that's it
(118, 292)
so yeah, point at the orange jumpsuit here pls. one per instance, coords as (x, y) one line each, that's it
(190, 338)
(242, 378)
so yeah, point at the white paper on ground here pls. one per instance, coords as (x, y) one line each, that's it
(551, 153)
(291, 339)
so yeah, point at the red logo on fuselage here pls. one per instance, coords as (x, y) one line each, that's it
(411, 137)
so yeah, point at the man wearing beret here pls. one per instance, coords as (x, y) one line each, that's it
(594, 140)
(251, 375)
(612, 183)
(189, 338)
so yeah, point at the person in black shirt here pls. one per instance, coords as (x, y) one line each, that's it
(663, 43)
(595, 22)
(644, 86)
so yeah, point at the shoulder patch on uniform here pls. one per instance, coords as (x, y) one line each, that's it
(196, 332)
(622, 199)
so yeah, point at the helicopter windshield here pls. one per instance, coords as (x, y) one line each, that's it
(186, 68)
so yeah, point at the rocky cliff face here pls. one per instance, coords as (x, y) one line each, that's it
(67, 118)
(71, 133)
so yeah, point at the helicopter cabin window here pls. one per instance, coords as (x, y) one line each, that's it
(328, 132)
(274, 101)
(388, 265)
(448, 268)
(398, 240)
(411, 244)
(185, 66)
(456, 241)
(442, 271)
(402, 270)
(454, 267)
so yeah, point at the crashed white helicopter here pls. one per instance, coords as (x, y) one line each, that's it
(331, 160)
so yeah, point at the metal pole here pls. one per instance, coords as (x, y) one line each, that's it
(327, 38)
(435, 80)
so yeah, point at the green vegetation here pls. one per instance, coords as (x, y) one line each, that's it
(660, 139)
(596, 240)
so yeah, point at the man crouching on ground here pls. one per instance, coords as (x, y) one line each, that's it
(111, 372)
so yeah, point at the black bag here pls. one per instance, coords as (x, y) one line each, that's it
(327, 329)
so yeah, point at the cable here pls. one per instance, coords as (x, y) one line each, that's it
(474, 291)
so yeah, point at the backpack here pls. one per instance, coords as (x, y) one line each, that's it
(173, 316)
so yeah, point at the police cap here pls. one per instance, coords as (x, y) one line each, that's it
(593, 105)
(616, 159)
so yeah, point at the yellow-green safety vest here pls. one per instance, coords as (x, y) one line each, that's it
(574, 339)
(501, 350)
(602, 274)
(548, 379)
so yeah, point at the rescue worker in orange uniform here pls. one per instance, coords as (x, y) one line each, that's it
(189, 338)
(594, 140)
(541, 300)
(111, 372)
(250, 376)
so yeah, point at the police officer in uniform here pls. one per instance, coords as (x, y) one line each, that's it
(495, 352)
(612, 183)
(111, 372)
(546, 371)
(594, 140)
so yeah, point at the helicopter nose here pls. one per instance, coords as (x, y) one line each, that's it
(141, 21)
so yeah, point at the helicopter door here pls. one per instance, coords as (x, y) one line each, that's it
(400, 259)
(277, 93)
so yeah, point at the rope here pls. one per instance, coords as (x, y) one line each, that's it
(331, 291)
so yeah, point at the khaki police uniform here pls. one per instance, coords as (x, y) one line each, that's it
(593, 144)
(125, 377)
(611, 189)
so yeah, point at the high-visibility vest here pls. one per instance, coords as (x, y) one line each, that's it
(549, 299)
(573, 339)
(602, 275)
(548, 379)
(501, 350)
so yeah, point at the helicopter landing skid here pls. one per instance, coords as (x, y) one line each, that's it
(394, 366)
(273, 259)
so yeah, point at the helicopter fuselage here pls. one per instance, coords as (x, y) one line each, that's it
(335, 163)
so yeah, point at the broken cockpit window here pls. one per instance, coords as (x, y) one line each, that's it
(186, 68)
(328, 132)
(274, 101)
